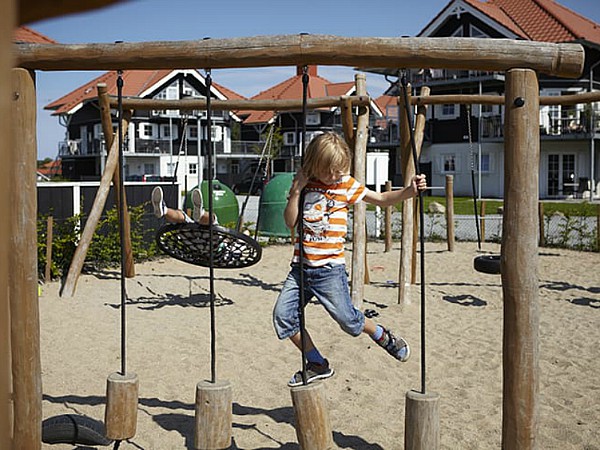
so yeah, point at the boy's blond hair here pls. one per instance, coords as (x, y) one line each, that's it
(327, 151)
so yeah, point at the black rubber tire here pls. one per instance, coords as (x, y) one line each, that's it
(74, 429)
(487, 264)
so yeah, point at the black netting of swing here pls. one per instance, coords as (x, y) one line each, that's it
(189, 242)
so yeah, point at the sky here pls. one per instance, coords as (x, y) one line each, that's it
(177, 20)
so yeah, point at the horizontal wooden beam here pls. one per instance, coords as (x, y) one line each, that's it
(574, 99)
(34, 10)
(564, 60)
(239, 104)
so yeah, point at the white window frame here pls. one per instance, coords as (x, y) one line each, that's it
(441, 114)
(216, 134)
(190, 131)
(289, 138)
(476, 33)
(313, 118)
(192, 168)
(164, 129)
(442, 163)
(490, 158)
(142, 131)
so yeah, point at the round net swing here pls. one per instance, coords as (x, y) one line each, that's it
(190, 243)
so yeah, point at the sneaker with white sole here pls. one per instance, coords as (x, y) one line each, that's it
(394, 345)
(314, 372)
(160, 208)
(197, 201)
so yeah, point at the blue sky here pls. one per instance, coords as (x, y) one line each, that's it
(175, 20)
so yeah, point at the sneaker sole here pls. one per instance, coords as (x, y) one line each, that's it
(157, 198)
(321, 376)
(198, 207)
(407, 354)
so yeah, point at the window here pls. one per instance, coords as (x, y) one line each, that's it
(147, 130)
(475, 32)
(148, 169)
(192, 132)
(448, 110)
(313, 118)
(193, 168)
(448, 163)
(168, 132)
(216, 133)
(310, 135)
(289, 138)
(235, 168)
(171, 168)
(486, 163)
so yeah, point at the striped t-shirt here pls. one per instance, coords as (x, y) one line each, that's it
(325, 220)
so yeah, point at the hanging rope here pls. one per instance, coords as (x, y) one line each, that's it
(472, 153)
(302, 305)
(421, 227)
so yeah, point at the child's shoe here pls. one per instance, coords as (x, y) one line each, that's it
(160, 208)
(198, 211)
(314, 372)
(394, 345)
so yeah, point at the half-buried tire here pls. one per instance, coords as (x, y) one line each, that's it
(74, 429)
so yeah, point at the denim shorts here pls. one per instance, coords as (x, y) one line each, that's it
(329, 285)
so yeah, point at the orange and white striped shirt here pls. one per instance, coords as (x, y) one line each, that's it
(325, 220)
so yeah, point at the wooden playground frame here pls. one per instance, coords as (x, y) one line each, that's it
(20, 389)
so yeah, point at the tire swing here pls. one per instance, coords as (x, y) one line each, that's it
(208, 245)
(489, 264)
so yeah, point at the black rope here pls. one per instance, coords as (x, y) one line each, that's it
(121, 190)
(301, 316)
(421, 227)
(213, 327)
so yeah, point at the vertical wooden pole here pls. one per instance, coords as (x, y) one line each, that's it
(348, 122)
(408, 171)
(542, 224)
(120, 415)
(7, 186)
(388, 221)
(25, 320)
(109, 137)
(49, 240)
(450, 235)
(482, 220)
(422, 421)
(359, 244)
(213, 415)
(519, 261)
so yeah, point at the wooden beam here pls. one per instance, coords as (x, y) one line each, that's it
(8, 185)
(359, 230)
(24, 312)
(34, 10)
(563, 60)
(241, 105)
(109, 137)
(460, 99)
(348, 122)
(519, 262)
(90, 225)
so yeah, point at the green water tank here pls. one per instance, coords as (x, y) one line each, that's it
(272, 204)
(225, 204)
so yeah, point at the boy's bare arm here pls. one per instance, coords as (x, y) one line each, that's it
(389, 198)
(290, 214)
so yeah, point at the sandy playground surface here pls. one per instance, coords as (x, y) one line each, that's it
(169, 349)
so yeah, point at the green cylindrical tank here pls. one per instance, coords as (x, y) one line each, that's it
(225, 204)
(272, 204)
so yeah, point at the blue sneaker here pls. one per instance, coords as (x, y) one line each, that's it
(394, 345)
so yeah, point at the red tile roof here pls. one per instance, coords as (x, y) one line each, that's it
(135, 83)
(538, 20)
(291, 89)
(26, 35)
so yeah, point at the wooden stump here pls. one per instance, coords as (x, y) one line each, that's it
(313, 428)
(213, 415)
(422, 421)
(121, 406)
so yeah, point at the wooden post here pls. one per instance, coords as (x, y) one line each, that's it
(388, 221)
(422, 421)
(519, 261)
(482, 220)
(450, 235)
(313, 428)
(8, 185)
(348, 122)
(23, 287)
(120, 415)
(49, 240)
(109, 137)
(408, 171)
(213, 415)
(542, 224)
(90, 226)
(359, 234)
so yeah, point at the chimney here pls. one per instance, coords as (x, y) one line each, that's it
(312, 71)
